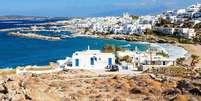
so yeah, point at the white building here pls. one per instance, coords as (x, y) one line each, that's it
(187, 32)
(147, 59)
(184, 32)
(165, 30)
(92, 59)
(126, 15)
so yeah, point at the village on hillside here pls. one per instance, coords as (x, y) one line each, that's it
(168, 68)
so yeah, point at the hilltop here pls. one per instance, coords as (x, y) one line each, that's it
(83, 85)
(20, 17)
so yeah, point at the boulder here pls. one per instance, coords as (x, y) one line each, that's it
(18, 97)
(3, 89)
(119, 98)
(195, 91)
(183, 85)
(2, 96)
(171, 91)
(135, 91)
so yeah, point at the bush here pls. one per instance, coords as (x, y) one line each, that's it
(186, 41)
(162, 54)
(109, 49)
(175, 71)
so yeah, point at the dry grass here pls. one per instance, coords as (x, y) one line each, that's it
(174, 71)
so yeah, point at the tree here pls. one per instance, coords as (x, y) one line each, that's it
(86, 30)
(148, 31)
(180, 61)
(109, 49)
(134, 17)
(162, 53)
(188, 24)
(127, 59)
(163, 22)
(195, 60)
(197, 38)
(197, 26)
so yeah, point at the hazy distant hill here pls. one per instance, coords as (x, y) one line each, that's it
(19, 17)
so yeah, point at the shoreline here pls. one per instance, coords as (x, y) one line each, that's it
(110, 38)
(113, 37)
(189, 48)
(192, 49)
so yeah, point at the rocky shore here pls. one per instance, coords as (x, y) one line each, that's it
(35, 36)
(137, 38)
(83, 85)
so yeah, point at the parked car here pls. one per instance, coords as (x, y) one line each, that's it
(112, 68)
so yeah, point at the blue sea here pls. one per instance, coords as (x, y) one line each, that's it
(15, 51)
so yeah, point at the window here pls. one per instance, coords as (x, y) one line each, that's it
(92, 61)
(77, 62)
(164, 63)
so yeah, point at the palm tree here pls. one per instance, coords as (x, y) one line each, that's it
(195, 59)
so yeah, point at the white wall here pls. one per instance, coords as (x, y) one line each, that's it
(85, 60)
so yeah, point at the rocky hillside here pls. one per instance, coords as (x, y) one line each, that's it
(81, 85)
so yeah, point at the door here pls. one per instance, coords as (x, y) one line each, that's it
(92, 61)
(77, 62)
(109, 61)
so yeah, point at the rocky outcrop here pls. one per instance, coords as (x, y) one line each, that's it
(82, 85)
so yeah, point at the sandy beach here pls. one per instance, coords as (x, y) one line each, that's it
(192, 49)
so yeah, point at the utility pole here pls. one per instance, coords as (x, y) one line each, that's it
(150, 53)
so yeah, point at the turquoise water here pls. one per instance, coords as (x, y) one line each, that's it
(15, 51)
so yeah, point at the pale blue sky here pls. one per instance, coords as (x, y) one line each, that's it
(89, 7)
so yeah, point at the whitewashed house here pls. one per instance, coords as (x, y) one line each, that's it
(197, 14)
(117, 29)
(184, 32)
(181, 11)
(187, 32)
(92, 59)
(144, 60)
(165, 30)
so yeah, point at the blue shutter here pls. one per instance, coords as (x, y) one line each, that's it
(77, 62)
